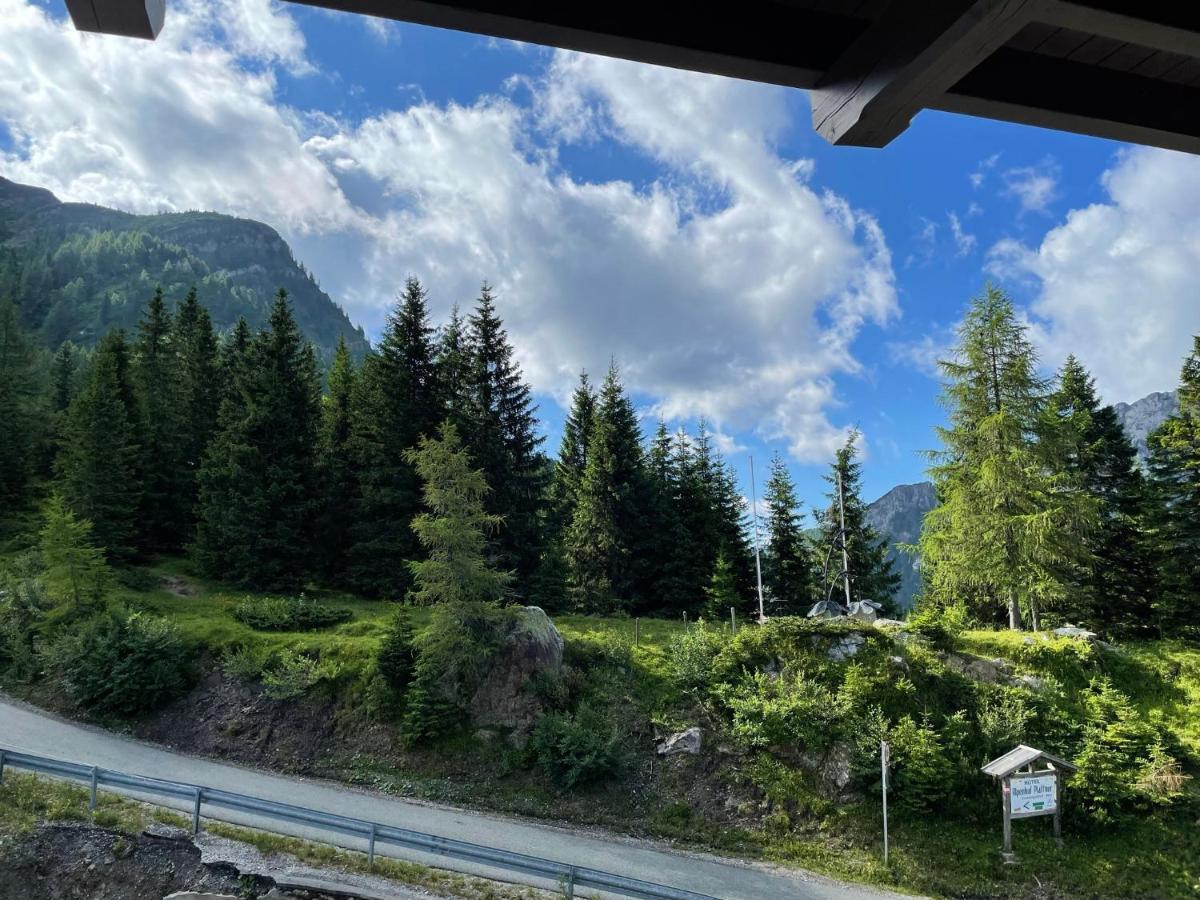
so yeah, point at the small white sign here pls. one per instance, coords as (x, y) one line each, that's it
(1034, 796)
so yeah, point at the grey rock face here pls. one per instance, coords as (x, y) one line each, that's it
(1141, 417)
(687, 741)
(846, 647)
(504, 700)
(898, 515)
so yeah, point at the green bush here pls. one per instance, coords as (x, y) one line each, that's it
(940, 622)
(783, 711)
(295, 673)
(123, 663)
(244, 662)
(24, 606)
(691, 656)
(283, 614)
(578, 749)
(396, 662)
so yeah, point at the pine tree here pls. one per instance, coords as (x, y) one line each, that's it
(1175, 476)
(395, 405)
(233, 362)
(607, 520)
(871, 573)
(1005, 527)
(721, 594)
(163, 513)
(787, 569)
(1113, 587)
(664, 532)
(503, 440)
(64, 377)
(75, 569)
(455, 527)
(18, 391)
(98, 467)
(338, 481)
(454, 371)
(258, 481)
(199, 374)
(691, 556)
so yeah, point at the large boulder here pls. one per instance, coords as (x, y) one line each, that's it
(846, 646)
(504, 699)
(832, 768)
(687, 741)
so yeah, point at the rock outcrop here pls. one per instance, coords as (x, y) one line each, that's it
(687, 741)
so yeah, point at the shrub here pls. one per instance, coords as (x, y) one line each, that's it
(244, 662)
(923, 772)
(123, 663)
(788, 711)
(295, 673)
(940, 622)
(397, 658)
(24, 605)
(576, 749)
(283, 614)
(691, 657)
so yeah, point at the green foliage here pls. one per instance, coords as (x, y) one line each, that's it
(18, 408)
(75, 570)
(123, 664)
(24, 607)
(577, 749)
(245, 662)
(788, 569)
(924, 773)
(941, 622)
(397, 659)
(454, 531)
(691, 654)
(287, 614)
(781, 711)
(295, 673)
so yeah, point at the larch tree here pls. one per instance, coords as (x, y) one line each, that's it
(76, 572)
(787, 568)
(453, 530)
(1006, 527)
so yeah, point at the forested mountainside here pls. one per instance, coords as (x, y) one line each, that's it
(75, 270)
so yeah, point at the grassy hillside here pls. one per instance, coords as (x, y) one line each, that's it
(780, 717)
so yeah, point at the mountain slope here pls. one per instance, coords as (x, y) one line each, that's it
(1141, 417)
(76, 270)
(898, 515)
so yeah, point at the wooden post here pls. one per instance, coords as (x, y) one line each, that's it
(635, 631)
(1057, 806)
(1007, 795)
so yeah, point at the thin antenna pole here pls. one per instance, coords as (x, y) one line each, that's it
(845, 553)
(762, 615)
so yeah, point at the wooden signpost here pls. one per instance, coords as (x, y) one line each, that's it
(1030, 785)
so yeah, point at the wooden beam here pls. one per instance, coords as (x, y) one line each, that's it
(128, 18)
(1175, 29)
(1016, 86)
(909, 57)
(774, 41)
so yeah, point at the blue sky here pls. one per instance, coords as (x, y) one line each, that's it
(692, 227)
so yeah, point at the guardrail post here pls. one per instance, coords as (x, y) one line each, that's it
(570, 892)
(92, 799)
(371, 848)
(3, 755)
(196, 811)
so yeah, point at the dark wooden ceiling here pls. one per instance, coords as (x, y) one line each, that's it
(1112, 68)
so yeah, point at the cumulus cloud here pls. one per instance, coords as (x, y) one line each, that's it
(1033, 187)
(731, 286)
(1116, 281)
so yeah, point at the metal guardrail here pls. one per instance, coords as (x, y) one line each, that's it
(568, 877)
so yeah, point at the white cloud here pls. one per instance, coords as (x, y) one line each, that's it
(1034, 187)
(985, 165)
(731, 287)
(1117, 280)
(964, 241)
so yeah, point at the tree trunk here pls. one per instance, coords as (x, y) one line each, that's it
(1033, 612)
(1014, 611)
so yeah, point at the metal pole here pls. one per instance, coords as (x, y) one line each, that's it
(732, 620)
(371, 848)
(845, 541)
(92, 799)
(570, 891)
(3, 755)
(884, 756)
(636, 622)
(762, 615)
(196, 812)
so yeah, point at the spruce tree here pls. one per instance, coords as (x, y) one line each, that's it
(1112, 587)
(787, 568)
(664, 532)
(1006, 527)
(18, 392)
(199, 375)
(572, 454)
(338, 482)
(395, 404)
(454, 529)
(258, 483)
(1175, 476)
(76, 572)
(64, 377)
(453, 370)
(163, 513)
(871, 572)
(607, 521)
(98, 466)
(503, 440)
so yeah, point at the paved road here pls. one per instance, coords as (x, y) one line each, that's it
(28, 730)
